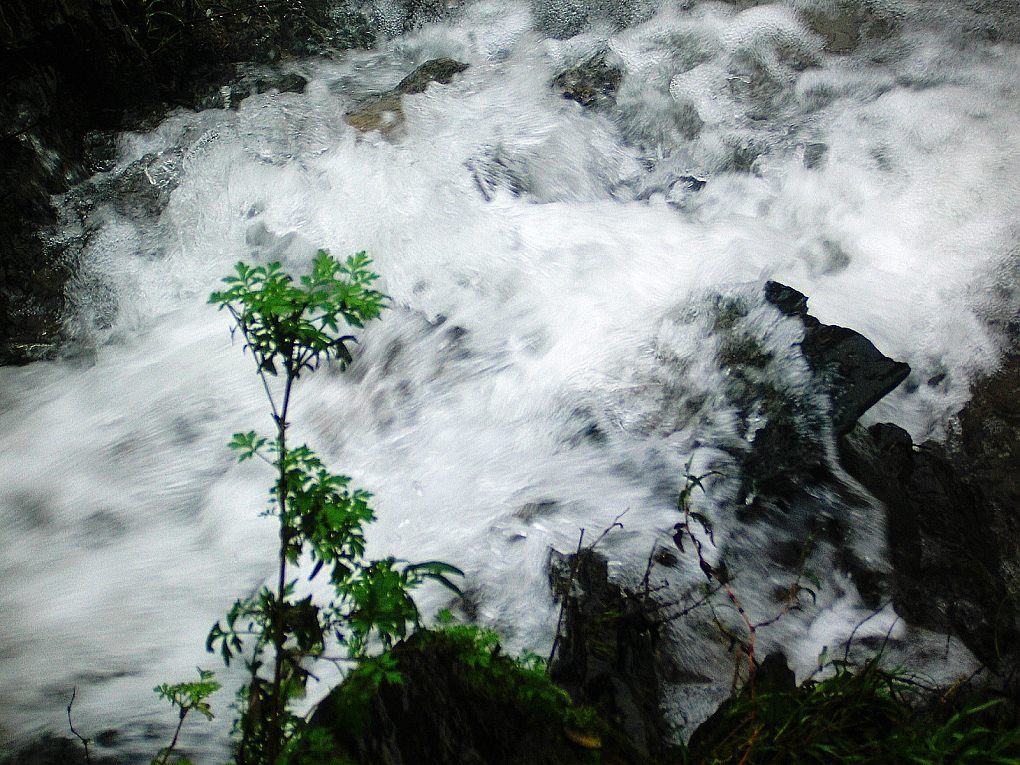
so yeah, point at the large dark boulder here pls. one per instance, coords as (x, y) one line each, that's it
(789, 449)
(954, 518)
(449, 708)
(855, 374)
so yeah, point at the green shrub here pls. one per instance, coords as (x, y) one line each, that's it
(292, 328)
(856, 715)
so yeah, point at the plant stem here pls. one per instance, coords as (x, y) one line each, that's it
(275, 742)
(173, 742)
(84, 741)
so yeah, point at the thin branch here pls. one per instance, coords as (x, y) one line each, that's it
(259, 359)
(605, 532)
(563, 602)
(85, 741)
(861, 623)
(173, 742)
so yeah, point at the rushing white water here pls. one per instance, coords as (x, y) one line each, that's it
(549, 359)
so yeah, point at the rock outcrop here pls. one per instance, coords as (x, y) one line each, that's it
(610, 652)
(954, 519)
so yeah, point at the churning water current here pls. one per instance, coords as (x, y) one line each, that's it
(551, 355)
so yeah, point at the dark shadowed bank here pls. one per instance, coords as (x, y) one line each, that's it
(74, 71)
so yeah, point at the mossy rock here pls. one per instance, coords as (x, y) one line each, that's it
(458, 699)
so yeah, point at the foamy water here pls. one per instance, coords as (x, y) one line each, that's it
(549, 359)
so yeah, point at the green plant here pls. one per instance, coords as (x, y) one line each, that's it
(186, 697)
(864, 714)
(291, 328)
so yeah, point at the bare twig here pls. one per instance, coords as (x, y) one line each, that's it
(573, 575)
(85, 741)
(563, 601)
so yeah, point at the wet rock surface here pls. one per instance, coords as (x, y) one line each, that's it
(385, 112)
(953, 518)
(593, 83)
(944, 551)
(610, 655)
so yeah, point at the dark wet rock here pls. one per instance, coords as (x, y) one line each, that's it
(609, 656)
(55, 750)
(441, 70)
(854, 373)
(444, 711)
(953, 518)
(593, 83)
(988, 445)
(814, 155)
(945, 540)
(385, 112)
(250, 83)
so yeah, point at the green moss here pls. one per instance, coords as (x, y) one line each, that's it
(519, 681)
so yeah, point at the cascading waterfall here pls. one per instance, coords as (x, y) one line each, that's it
(552, 354)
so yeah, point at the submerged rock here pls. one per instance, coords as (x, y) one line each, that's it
(441, 70)
(593, 83)
(385, 112)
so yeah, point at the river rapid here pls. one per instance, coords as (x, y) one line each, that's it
(551, 357)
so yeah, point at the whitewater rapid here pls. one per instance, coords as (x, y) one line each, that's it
(549, 359)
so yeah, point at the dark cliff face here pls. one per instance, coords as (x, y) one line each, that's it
(69, 66)
(73, 69)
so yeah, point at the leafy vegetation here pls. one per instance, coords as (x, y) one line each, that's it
(856, 715)
(292, 328)
(495, 698)
(186, 698)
